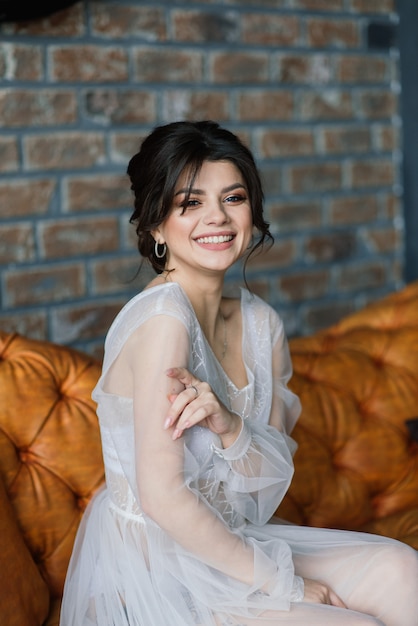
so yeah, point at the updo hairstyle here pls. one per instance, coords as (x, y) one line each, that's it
(169, 151)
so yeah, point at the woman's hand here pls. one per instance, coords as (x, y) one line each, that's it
(320, 593)
(197, 404)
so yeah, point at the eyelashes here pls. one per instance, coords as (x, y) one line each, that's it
(192, 203)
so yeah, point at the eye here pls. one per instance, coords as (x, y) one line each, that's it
(235, 198)
(189, 204)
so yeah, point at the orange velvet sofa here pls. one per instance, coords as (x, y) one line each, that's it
(356, 466)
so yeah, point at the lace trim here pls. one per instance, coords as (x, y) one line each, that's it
(136, 517)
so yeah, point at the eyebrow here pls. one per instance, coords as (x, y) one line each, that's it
(200, 192)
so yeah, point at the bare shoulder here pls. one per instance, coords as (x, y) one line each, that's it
(158, 280)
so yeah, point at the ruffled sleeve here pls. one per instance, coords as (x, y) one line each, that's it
(214, 556)
(255, 472)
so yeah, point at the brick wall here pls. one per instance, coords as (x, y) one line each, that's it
(295, 78)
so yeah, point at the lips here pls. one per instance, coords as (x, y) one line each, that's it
(215, 239)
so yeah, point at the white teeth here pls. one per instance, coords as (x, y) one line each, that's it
(215, 239)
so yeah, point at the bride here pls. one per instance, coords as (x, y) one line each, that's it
(196, 417)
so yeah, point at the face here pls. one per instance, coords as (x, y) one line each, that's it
(212, 228)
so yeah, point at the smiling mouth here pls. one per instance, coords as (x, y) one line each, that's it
(215, 239)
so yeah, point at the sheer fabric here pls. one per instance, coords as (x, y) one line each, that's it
(207, 554)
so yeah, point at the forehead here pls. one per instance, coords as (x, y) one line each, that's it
(211, 173)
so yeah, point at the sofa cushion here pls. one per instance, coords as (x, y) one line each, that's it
(357, 465)
(50, 449)
(24, 595)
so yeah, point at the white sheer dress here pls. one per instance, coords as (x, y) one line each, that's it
(209, 556)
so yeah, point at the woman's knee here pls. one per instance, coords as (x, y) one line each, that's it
(403, 559)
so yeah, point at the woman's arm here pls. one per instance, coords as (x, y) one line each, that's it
(181, 512)
(158, 345)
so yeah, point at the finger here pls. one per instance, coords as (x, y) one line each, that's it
(189, 417)
(336, 600)
(178, 404)
(183, 375)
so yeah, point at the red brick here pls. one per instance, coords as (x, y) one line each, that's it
(332, 33)
(295, 216)
(167, 65)
(97, 193)
(360, 276)
(315, 177)
(270, 29)
(201, 25)
(304, 286)
(17, 243)
(308, 68)
(78, 237)
(318, 317)
(362, 68)
(338, 140)
(391, 206)
(294, 68)
(372, 173)
(259, 286)
(373, 6)
(64, 150)
(387, 138)
(88, 63)
(327, 104)
(29, 323)
(44, 284)
(396, 272)
(354, 209)
(66, 23)
(239, 67)
(274, 4)
(244, 135)
(20, 62)
(128, 234)
(261, 105)
(196, 105)
(123, 145)
(377, 104)
(271, 176)
(319, 5)
(121, 106)
(286, 142)
(9, 158)
(118, 275)
(83, 321)
(154, 65)
(42, 107)
(26, 196)
(330, 247)
(282, 254)
(382, 240)
(114, 21)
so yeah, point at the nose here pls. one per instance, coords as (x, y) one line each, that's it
(216, 214)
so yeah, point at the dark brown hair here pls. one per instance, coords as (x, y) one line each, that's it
(164, 155)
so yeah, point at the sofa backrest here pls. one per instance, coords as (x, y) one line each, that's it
(50, 449)
(357, 464)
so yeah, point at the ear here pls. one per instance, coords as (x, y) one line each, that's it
(158, 236)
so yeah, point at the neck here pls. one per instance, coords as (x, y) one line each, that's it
(205, 295)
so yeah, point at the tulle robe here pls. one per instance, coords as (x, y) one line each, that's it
(212, 557)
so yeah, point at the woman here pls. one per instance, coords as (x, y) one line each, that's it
(195, 417)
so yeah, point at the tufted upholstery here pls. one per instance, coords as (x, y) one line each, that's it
(50, 452)
(356, 466)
